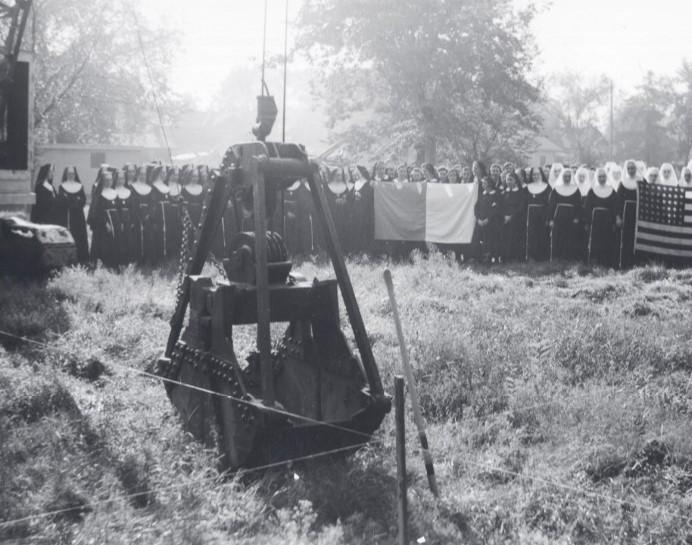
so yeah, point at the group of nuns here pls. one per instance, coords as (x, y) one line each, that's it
(574, 214)
(556, 213)
(580, 215)
(136, 214)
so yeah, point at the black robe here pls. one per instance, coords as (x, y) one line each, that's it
(583, 254)
(599, 217)
(125, 235)
(340, 201)
(566, 235)
(70, 214)
(44, 211)
(363, 217)
(174, 224)
(514, 230)
(299, 221)
(160, 222)
(103, 214)
(537, 233)
(627, 211)
(142, 227)
(489, 236)
(194, 204)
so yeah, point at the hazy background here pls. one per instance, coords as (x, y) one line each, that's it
(620, 38)
(206, 58)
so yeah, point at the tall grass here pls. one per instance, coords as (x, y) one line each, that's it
(529, 375)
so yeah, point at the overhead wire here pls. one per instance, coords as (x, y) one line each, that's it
(569, 488)
(154, 94)
(263, 83)
(237, 474)
(280, 412)
(274, 410)
(250, 403)
(371, 441)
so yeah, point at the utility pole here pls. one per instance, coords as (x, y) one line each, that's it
(612, 125)
(283, 124)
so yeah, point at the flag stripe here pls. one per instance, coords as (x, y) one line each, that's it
(671, 242)
(449, 217)
(400, 211)
(656, 249)
(663, 227)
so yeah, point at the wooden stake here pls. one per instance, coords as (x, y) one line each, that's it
(418, 418)
(399, 398)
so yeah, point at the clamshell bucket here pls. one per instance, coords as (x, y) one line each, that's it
(305, 393)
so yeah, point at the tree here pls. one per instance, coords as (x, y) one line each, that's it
(91, 84)
(448, 73)
(642, 130)
(578, 108)
(681, 122)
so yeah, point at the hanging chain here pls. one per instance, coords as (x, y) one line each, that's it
(188, 231)
(218, 265)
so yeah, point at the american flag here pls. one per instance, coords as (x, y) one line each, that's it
(664, 220)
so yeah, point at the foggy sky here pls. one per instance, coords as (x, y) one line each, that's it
(619, 38)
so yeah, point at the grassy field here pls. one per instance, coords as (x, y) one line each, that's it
(558, 398)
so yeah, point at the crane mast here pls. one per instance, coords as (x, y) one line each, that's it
(13, 20)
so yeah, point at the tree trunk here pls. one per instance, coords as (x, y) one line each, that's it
(428, 132)
(430, 149)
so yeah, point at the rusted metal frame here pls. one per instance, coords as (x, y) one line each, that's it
(336, 254)
(214, 208)
(257, 179)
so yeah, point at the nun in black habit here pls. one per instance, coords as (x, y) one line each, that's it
(193, 194)
(45, 210)
(161, 214)
(600, 208)
(125, 239)
(298, 219)
(537, 234)
(70, 211)
(474, 175)
(514, 210)
(174, 218)
(489, 220)
(339, 197)
(626, 215)
(143, 239)
(564, 218)
(103, 219)
(363, 210)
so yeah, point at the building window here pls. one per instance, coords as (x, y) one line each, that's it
(543, 160)
(97, 159)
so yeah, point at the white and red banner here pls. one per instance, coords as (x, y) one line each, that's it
(420, 211)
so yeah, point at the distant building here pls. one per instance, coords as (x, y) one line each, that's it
(547, 152)
(89, 157)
